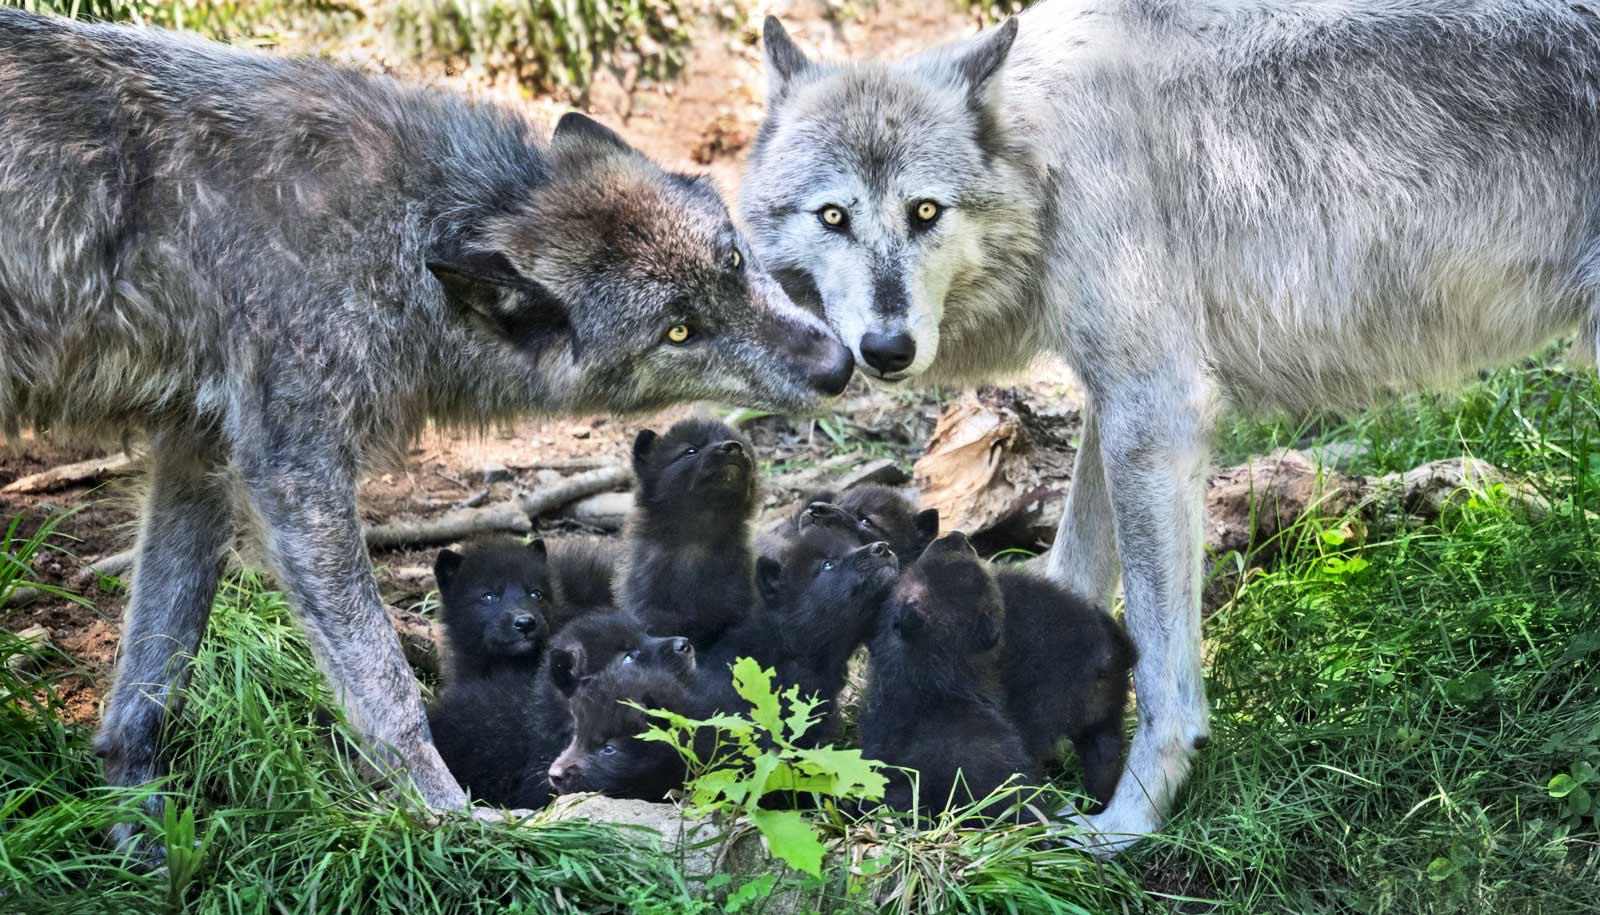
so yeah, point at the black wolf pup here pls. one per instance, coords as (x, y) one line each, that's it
(496, 600)
(605, 753)
(1064, 666)
(876, 513)
(281, 268)
(690, 566)
(933, 702)
(585, 570)
(495, 595)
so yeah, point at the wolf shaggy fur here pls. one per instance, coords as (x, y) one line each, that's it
(1267, 203)
(282, 269)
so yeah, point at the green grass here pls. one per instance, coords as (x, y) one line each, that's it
(1389, 737)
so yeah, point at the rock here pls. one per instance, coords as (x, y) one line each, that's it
(35, 638)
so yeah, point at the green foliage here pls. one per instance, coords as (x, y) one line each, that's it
(17, 553)
(755, 757)
(226, 20)
(265, 814)
(547, 43)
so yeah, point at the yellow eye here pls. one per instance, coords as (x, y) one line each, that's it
(679, 333)
(738, 259)
(927, 211)
(832, 216)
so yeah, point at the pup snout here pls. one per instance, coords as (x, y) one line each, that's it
(888, 353)
(562, 776)
(730, 447)
(525, 622)
(683, 646)
(878, 549)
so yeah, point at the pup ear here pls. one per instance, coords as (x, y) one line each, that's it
(563, 670)
(926, 523)
(985, 633)
(444, 568)
(908, 622)
(769, 574)
(643, 444)
(953, 542)
(784, 60)
(537, 548)
(580, 128)
(981, 59)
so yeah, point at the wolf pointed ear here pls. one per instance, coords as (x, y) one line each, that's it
(769, 575)
(981, 59)
(574, 126)
(926, 524)
(784, 60)
(563, 670)
(444, 568)
(485, 284)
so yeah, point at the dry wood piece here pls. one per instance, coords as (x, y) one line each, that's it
(69, 475)
(606, 511)
(35, 637)
(510, 517)
(22, 597)
(418, 639)
(1251, 504)
(994, 462)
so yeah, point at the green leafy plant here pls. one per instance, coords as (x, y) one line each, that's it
(756, 757)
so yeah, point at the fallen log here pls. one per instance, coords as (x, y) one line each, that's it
(515, 516)
(66, 475)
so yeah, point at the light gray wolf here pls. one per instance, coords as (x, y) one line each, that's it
(1287, 204)
(282, 270)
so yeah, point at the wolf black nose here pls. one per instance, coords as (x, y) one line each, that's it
(888, 353)
(878, 549)
(829, 364)
(524, 623)
(730, 447)
(681, 645)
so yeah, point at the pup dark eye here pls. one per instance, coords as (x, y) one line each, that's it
(833, 217)
(867, 522)
(609, 749)
(827, 565)
(679, 334)
(925, 212)
(536, 594)
(690, 451)
(490, 598)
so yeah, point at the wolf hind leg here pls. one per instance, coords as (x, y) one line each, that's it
(184, 534)
(1084, 556)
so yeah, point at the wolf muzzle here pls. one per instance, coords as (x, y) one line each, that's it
(826, 362)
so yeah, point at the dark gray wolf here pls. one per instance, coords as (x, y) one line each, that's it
(282, 269)
(1264, 203)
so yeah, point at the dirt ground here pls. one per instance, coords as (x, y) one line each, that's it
(700, 122)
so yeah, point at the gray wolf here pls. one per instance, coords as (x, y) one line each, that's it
(932, 701)
(282, 270)
(1286, 204)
